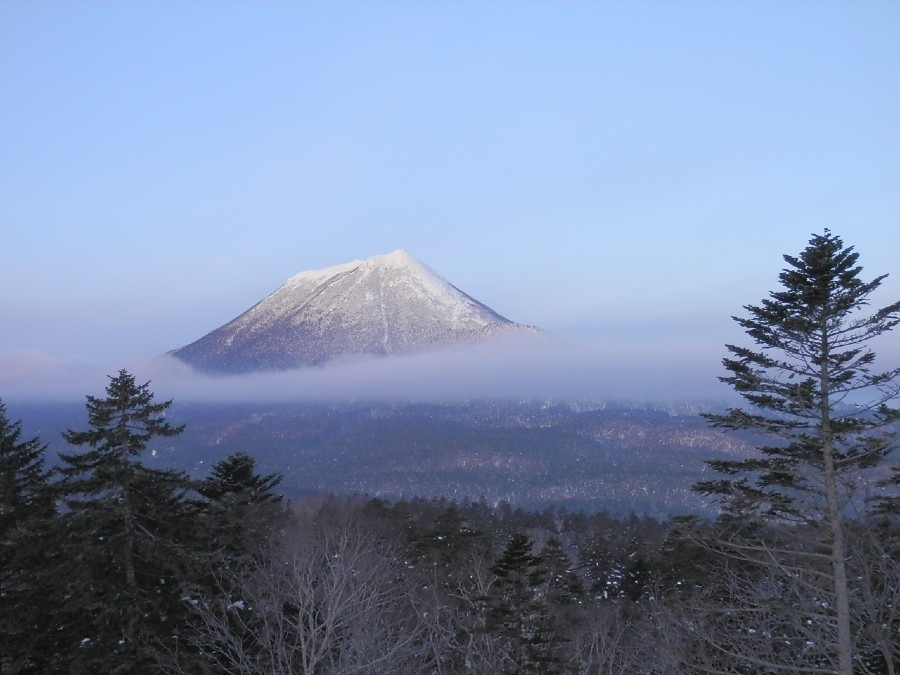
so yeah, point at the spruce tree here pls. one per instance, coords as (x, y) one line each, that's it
(23, 479)
(26, 514)
(128, 537)
(813, 391)
(516, 610)
(564, 586)
(236, 475)
(242, 507)
(564, 597)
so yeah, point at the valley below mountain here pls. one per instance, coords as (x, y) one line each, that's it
(390, 310)
(619, 458)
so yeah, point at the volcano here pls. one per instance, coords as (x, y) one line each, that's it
(387, 305)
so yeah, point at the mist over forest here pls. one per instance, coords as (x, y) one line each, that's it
(502, 369)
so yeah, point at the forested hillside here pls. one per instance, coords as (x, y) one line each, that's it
(141, 570)
(591, 456)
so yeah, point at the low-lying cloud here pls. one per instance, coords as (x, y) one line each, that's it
(495, 370)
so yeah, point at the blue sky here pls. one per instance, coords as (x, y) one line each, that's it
(624, 174)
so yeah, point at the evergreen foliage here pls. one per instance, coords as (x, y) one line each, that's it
(23, 479)
(812, 389)
(235, 478)
(564, 586)
(127, 533)
(516, 609)
(26, 514)
(241, 510)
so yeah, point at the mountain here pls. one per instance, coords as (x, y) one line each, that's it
(388, 304)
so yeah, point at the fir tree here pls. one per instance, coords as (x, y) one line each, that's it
(564, 586)
(128, 533)
(23, 479)
(811, 388)
(26, 515)
(236, 475)
(516, 609)
(242, 506)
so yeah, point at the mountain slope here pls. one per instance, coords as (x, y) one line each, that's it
(389, 304)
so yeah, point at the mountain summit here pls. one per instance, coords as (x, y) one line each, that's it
(388, 304)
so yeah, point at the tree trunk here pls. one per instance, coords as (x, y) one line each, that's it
(838, 561)
(130, 553)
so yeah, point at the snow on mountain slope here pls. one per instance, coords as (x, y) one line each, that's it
(388, 304)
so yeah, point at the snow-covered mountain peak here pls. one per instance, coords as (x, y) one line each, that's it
(387, 304)
(398, 258)
(325, 273)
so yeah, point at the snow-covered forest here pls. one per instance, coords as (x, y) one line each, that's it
(151, 572)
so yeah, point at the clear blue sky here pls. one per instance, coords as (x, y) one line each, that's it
(624, 173)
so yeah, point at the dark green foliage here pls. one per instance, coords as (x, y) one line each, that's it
(235, 478)
(684, 561)
(810, 372)
(518, 573)
(517, 612)
(888, 504)
(127, 535)
(444, 537)
(813, 393)
(241, 510)
(564, 596)
(26, 516)
(564, 586)
(23, 479)
(613, 555)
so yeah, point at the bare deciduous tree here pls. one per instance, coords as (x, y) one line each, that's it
(333, 600)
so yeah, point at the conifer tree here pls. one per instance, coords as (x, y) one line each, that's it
(813, 390)
(236, 475)
(517, 614)
(23, 479)
(242, 506)
(26, 514)
(128, 534)
(564, 586)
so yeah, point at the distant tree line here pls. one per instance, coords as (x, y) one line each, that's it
(110, 566)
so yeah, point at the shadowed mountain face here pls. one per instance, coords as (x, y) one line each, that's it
(390, 304)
